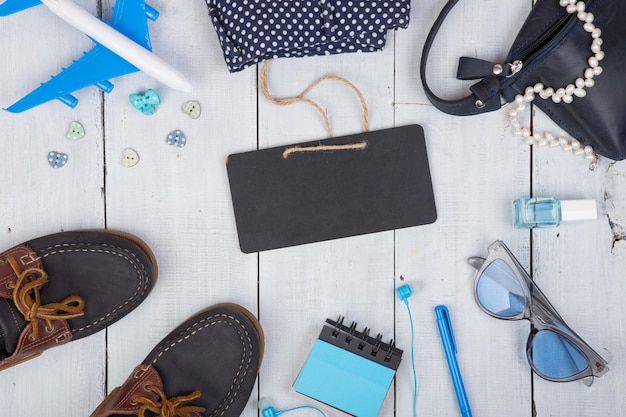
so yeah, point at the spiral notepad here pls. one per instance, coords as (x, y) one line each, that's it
(349, 370)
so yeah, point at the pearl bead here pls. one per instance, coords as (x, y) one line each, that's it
(549, 136)
(580, 6)
(600, 55)
(542, 142)
(588, 150)
(589, 27)
(525, 132)
(593, 62)
(563, 3)
(571, 8)
(597, 70)
(596, 33)
(529, 90)
(580, 83)
(589, 73)
(597, 41)
(529, 140)
(554, 143)
(546, 93)
(563, 141)
(582, 16)
(590, 17)
(580, 92)
(556, 99)
(576, 144)
(538, 87)
(569, 90)
(568, 99)
(595, 48)
(519, 99)
(579, 152)
(589, 82)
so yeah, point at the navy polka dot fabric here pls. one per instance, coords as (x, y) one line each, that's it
(251, 31)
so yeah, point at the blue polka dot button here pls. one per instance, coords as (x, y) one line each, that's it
(57, 159)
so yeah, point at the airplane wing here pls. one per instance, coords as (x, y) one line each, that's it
(95, 67)
(14, 6)
(129, 18)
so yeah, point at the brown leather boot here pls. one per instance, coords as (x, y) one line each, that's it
(207, 366)
(66, 286)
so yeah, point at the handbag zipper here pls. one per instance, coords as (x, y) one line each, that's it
(544, 39)
(537, 49)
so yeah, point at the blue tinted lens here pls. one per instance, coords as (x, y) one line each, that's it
(499, 291)
(556, 357)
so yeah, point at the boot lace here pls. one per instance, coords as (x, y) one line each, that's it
(28, 301)
(165, 407)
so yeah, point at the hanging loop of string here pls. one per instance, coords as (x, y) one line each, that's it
(300, 98)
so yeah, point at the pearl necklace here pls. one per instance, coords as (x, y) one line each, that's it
(564, 94)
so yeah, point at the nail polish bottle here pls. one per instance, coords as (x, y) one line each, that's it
(539, 212)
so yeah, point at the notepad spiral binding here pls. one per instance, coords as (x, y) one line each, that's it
(361, 343)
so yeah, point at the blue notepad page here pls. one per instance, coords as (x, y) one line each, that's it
(346, 377)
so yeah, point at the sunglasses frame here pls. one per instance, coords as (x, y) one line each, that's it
(539, 312)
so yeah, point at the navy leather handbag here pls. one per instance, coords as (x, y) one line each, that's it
(569, 55)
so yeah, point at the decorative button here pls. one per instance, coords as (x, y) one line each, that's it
(147, 102)
(130, 158)
(75, 132)
(57, 159)
(192, 108)
(176, 137)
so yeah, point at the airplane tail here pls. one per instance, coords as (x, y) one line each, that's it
(14, 6)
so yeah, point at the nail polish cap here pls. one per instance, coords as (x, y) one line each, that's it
(578, 210)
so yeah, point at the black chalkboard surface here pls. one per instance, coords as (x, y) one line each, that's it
(332, 188)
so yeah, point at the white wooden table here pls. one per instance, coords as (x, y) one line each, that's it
(178, 200)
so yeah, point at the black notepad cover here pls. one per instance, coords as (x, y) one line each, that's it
(328, 194)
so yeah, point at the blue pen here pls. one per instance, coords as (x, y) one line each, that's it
(449, 347)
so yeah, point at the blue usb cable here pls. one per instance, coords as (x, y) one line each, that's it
(270, 411)
(404, 292)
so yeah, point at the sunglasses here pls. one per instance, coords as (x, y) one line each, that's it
(504, 290)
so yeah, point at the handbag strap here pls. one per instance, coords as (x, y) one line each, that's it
(485, 95)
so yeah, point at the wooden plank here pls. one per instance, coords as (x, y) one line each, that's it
(474, 185)
(578, 266)
(39, 200)
(178, 199)
(477, 171)
(302, 286)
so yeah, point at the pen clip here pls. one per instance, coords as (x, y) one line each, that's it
(444, 314)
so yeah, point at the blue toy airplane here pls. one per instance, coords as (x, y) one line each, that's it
(126, 34)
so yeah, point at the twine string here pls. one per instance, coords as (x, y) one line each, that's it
(300, 98)
(295, 149)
